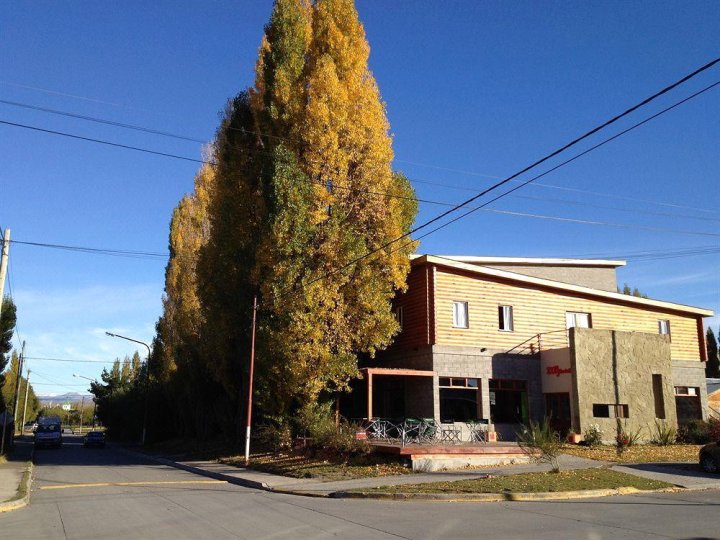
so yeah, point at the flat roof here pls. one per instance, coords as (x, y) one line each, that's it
(522, 278)
(533, 261)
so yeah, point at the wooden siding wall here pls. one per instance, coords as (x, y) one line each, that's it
(417, 324)
(537, 309)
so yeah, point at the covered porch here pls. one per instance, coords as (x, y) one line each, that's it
(399, 393)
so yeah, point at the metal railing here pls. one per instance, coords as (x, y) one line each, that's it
(554, 339)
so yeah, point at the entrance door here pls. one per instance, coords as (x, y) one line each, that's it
(557, 409)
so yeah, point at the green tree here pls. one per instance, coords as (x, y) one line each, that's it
(712, 367)
(323, 317)
(300, 185)
(8, 318)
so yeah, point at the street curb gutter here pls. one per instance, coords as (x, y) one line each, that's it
(202, 472)
(25, 484)
(448, 497)
(496, 497)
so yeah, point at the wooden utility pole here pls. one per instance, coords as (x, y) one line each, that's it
(250, 384)
(4, 263)
(4, 253)
(27, 391)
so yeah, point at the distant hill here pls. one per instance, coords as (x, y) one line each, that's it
(59, 399)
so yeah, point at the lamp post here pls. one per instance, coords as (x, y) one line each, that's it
(94, 402)
(147, 379)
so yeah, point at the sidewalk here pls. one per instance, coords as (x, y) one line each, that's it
(11, 472)
(685, 475)
(315, 487)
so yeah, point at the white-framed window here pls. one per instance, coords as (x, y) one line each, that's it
(505, 318)
(664, 327)
(460, 314)
(399, 316)
(576, 319)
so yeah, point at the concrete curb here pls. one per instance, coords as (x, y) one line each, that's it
(447, 497)
(14, 504)
(497, 497)
(197, 470)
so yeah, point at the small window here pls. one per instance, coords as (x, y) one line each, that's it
(604, 410)
(664, 327)
(460, 314)
(601, 411)
(622, 411)
(658, 396)
(686, 391)
(458, 382)
(505, 318)
(577, 320)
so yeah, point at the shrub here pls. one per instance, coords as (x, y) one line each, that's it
(592, 436)
(694, 432)
(276, 436)
(664, 434)
(317, 420)
(714, 429)
(542, 443)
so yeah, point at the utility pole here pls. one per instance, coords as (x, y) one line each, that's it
(82, 407)
(3, 264)
(27, 391)
(250, 384)
(4, 254)
(17, 384)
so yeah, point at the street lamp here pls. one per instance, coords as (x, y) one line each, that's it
(147, 379)
(94, 402)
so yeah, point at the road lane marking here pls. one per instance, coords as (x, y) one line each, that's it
(149, 483)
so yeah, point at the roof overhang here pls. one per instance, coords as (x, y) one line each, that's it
(396, 372)
(542, 282)
(534, 261)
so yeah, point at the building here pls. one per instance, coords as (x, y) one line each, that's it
(507, 340)
(713, 398)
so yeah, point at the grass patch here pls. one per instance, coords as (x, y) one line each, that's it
(23, 486)
(321, 467)
(532, 483)
(295, 464)
(644, 453)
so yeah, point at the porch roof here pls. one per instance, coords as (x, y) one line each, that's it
(396, 371)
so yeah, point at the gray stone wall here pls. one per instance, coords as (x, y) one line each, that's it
(692, 373)
(596, 277)
(637, 356)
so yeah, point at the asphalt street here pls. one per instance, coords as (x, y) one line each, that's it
(104, 493)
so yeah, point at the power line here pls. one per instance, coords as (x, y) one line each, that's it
(542, 160)
(587, 192)
(70, 360)
(108, 143)
(100, 251)
(102, 121)
(414, 180)
(602, 143)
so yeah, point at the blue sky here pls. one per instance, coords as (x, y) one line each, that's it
(474, 91)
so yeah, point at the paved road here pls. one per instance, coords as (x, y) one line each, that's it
(84, 493)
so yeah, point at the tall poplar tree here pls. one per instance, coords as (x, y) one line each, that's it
(300, 185)
(712, 367)
(338, 141)
(8, 319)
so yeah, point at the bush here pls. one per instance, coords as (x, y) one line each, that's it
(317, 421)
(540, 438)
(276, 436)
(664, 434)
(714, 429)
(694, 432)
(593, 436)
